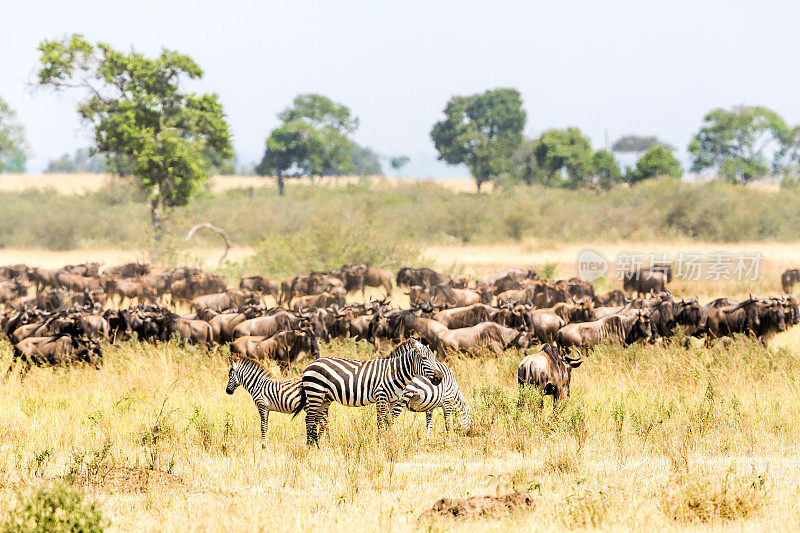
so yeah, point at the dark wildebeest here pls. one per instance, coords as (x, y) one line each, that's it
(615, 328)
(191, 331)
(789, 278)
(446, 296)
(691, 314)
(267, 326)
(423, 277)
(549, 370)
(464, 317)
(726, 320)
(61, 349)
(644, 281)
(611, 299)
(284, 347)
(262, 284)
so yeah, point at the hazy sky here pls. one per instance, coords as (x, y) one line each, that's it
(612, 66)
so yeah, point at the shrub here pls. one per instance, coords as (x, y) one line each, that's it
(54, 510)
(703, 500)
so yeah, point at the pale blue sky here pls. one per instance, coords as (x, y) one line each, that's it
(613, 66)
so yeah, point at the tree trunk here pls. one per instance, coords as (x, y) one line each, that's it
(280, 185)
(155, 219)
(479, 182)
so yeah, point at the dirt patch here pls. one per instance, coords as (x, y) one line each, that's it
(481, 506)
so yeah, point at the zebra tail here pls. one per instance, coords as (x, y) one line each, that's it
(302, 403)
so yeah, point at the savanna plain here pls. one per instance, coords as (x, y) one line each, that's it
(652, 436)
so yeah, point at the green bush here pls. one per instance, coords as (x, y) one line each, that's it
(54, 510)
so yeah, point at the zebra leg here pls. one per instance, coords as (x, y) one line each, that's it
(263, 411)
(428, 424)
(323, 418)
(447, 413)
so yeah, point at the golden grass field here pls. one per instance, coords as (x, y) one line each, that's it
(652, 437)
(81, 183)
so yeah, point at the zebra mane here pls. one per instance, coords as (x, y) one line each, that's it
(254, 362)
(403, 348)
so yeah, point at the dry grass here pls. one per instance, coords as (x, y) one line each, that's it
(82, 183)
(652, 438)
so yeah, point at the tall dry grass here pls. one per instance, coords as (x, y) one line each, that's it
(653, 437)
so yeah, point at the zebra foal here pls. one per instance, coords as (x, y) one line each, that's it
(422, 396)
(281, 395)
(355, 383)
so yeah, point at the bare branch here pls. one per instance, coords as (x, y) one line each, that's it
(222, 232)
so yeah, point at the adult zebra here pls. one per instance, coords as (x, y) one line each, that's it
(358, 383)
(422, 396)
(281, 395)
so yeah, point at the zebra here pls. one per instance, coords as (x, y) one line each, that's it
(356, 383)
(281, 395)
(422, 396)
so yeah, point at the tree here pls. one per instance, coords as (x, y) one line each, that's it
(291, 150)
(141, 114)
(313, 141)
(606, 170)
(365, 161)
(637, 144)
(657, 161)
(739, 143)
(81, 161)
(13, 147)
(398, 162)
(558, 158)
(481, 131)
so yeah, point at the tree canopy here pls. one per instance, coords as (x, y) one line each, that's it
(481, 131)
(399, 161)
(140, 112)
(606, 169)
(560, 158)
(741, 144)
(314, 140)
(657, 161)
(637, 144)
(12, 141)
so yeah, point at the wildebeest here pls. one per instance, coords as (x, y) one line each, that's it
(549, 370)
(615, 328)
(422, 277)
(284, 347)
(262, 284)
(614, 297)
(446, 296)
(191, 331)
(789, 278)
(56, 350)
(644, 281)
(464, 317)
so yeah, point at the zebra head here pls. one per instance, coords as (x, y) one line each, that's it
(233, 376)
(425, 363)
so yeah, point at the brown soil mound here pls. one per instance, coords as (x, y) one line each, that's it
(476, 506)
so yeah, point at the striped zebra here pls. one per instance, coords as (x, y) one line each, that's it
(281, 395)
(422, 396)
(358, 383)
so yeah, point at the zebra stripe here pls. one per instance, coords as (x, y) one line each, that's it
(422, 396)
(281, 395)
(356, 383)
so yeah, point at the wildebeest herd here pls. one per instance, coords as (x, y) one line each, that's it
(58, 317)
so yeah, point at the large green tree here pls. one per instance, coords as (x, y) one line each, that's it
(741, 144)
(141, 113)
(657, 161)
(314, 140)
(559, 158)
(606, 169)
(13, 147)
(482, 131)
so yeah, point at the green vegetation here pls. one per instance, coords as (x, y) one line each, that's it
(13, 147)
(59, 509)
(657, 161)
(314, 140)
(739, 144)
(141, 114)
(481, 131)
(638, 144)
(391, 216)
